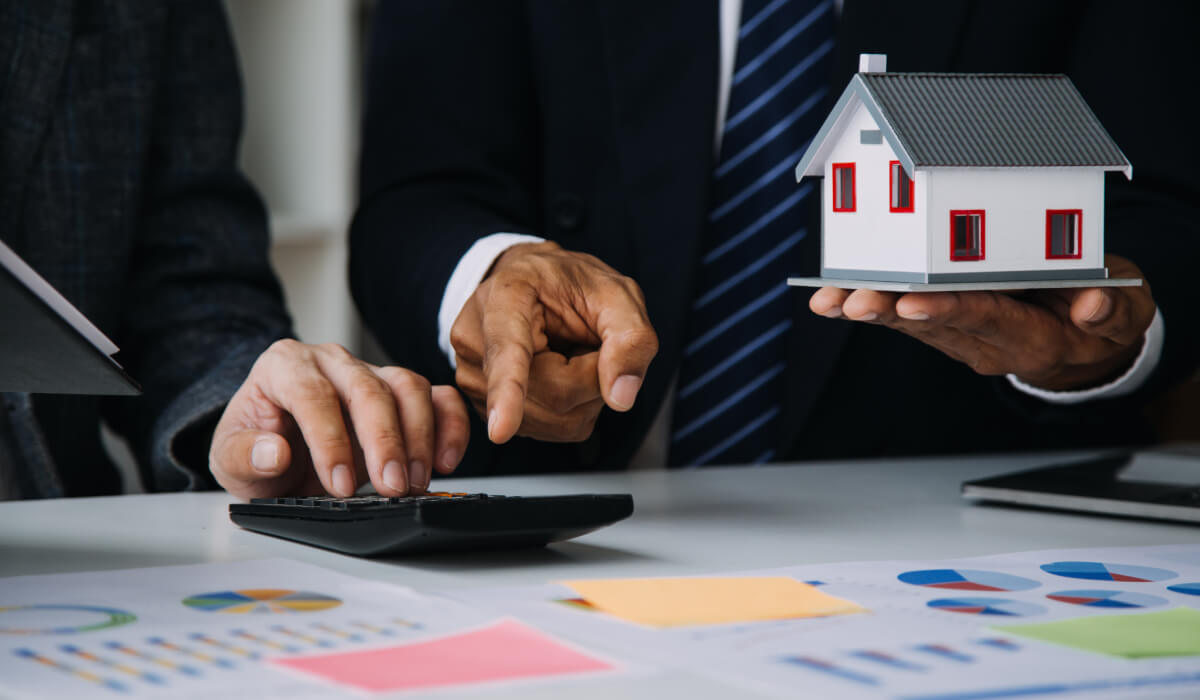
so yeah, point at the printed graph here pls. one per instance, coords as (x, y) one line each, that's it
(61, 619)
(261, 600)
(968, 580)
(1100, 571)
(1107, 599)
(1186, 588)
(161, 662)
(987, 606)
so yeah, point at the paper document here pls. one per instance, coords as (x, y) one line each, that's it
(260, 629)
(670, 602)
(1148, 635)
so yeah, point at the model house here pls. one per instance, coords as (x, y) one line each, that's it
(955, 177)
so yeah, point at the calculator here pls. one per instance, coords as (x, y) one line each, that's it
(371, 526)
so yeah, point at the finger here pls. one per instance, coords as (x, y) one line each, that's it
(508, 353)
(466, 335)
(560, 383)
(412, 394)
(453, 428)
(371, 406)
(827, 301)
(996, 318)
(628, 342)
(293, 381)
(870, 305)
(242, 460)
(541, 422)
(1112, 314)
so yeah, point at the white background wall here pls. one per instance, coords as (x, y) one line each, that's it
(301, 67)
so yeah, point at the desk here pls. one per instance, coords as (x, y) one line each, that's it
(685, 522)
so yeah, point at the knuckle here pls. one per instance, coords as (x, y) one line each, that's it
(315, 389)
(366, 386)
(335, 350)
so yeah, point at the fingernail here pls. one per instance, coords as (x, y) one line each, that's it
(915, 316)
(492, 424)
(393, 476)
(418, 475)
(343, 482)
(625, 390)
(1102, 310)
(832, 312)
(450, 458)
(264, 456)
(869, 316)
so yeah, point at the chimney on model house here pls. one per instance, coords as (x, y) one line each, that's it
(872, 63)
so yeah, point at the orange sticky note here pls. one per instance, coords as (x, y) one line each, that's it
(675, 602)
(504, 651)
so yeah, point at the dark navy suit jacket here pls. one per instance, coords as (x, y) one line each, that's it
(119, 123)
(591, 123)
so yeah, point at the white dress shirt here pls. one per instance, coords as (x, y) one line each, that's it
(652, 454)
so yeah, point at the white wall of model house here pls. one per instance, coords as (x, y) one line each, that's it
(872, 238)
(1015, 201)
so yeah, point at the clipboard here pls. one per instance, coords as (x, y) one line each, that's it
(47, 346)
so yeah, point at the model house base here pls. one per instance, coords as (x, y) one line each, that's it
(997, 285)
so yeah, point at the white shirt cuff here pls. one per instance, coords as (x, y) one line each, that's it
(1127, 383)
(467, 275)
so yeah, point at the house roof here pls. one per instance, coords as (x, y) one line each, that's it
(985, 120)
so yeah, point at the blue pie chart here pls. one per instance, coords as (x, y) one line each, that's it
(1186, 588)
(1107, 599)
(967, 580)
(987, 606)
(1099, 571)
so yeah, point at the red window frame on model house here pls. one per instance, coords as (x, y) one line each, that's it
(838, 169)
(897, 178)
(1076, 240)
(967, 214)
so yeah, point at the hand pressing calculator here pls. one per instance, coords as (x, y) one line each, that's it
(371, 526)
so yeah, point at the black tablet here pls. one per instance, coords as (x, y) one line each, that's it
(1162, 484)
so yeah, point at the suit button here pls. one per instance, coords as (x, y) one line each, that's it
(568, 212)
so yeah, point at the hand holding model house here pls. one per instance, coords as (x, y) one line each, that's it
(967, 210)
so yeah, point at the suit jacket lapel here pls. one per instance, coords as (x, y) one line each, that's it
(35, 41)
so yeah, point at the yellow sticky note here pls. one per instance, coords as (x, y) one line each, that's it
(674, 602)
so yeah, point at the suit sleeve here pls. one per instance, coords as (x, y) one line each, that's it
(1127, 66)
(450, 153)
(202, 302)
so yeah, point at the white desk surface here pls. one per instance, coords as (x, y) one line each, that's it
(684, 522)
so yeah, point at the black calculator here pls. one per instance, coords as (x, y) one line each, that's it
(370, 526)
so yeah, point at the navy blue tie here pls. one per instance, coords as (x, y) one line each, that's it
(731, 377)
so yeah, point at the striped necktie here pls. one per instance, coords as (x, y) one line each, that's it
(731, 375)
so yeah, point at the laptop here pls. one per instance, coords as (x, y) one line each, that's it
(1161, 483)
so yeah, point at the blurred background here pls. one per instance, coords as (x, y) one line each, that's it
(302, 78)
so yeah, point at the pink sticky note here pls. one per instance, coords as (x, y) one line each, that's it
(505, 650)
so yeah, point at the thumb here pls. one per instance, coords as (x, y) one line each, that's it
(248, 456)
(625, 355)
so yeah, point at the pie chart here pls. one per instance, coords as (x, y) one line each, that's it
(1107, 599)
(987, 606)
(1098, 571)
(1186, 588)
(967, 580)
(261, 600)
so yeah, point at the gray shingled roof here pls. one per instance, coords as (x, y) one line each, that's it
(992, 120)
(981, 120)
